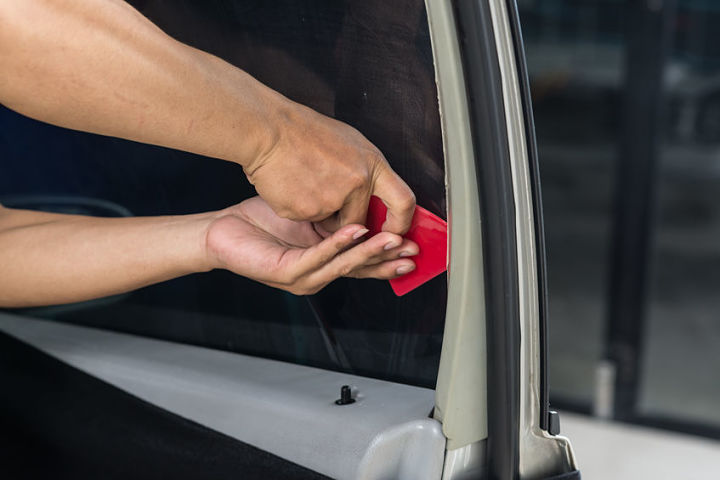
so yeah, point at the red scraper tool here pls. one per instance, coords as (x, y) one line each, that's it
(428, 231)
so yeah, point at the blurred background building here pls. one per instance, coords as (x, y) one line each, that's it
(627, 111)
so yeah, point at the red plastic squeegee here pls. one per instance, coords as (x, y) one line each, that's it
(427, 230)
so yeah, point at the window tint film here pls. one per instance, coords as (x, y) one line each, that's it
(368, 63)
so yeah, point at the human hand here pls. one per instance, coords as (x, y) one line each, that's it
(322, 170)
(251, 240)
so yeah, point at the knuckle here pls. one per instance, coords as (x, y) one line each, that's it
(285, 212)
(331, 201)
(377, 158)
(304, 211)
(387, 240)
(385, 237)
(327, 210)
(358, 179)
(407, 201)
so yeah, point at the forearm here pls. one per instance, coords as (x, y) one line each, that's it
(100, 66)
(51, 258)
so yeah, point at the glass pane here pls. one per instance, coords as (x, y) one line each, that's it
(681, 359)
(368, 63)
(575, 55)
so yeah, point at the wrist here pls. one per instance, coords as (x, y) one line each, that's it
(274, 115)
(235, 117)
(207, 258)
(253, 111)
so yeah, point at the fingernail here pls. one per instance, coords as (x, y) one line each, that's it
(404, 269)
(406, 253)
(392, 244)
(360, 233)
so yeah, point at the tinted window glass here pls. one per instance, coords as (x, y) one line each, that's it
(366, 63)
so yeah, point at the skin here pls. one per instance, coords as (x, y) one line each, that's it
(49, 258)
(99, 66)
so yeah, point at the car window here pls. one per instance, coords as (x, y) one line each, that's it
(366, 63)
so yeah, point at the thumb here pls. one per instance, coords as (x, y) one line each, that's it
(397, 197)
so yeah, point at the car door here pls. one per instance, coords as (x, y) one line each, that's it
(214, 376)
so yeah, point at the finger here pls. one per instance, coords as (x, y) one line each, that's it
(321, 254)
(384, 270)
(398, 198)
(353, 211)
(357, 256)
(406, 249)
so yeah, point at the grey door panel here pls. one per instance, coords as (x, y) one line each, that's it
(286, 409)
(59, 422)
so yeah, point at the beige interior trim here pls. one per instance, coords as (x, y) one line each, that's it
(461, 386)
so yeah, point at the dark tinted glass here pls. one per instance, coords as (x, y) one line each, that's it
(368, 63)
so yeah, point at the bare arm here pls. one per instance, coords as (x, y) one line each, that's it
(100, 66)
(50, 258)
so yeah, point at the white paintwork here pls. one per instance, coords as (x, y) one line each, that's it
(283, 408)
